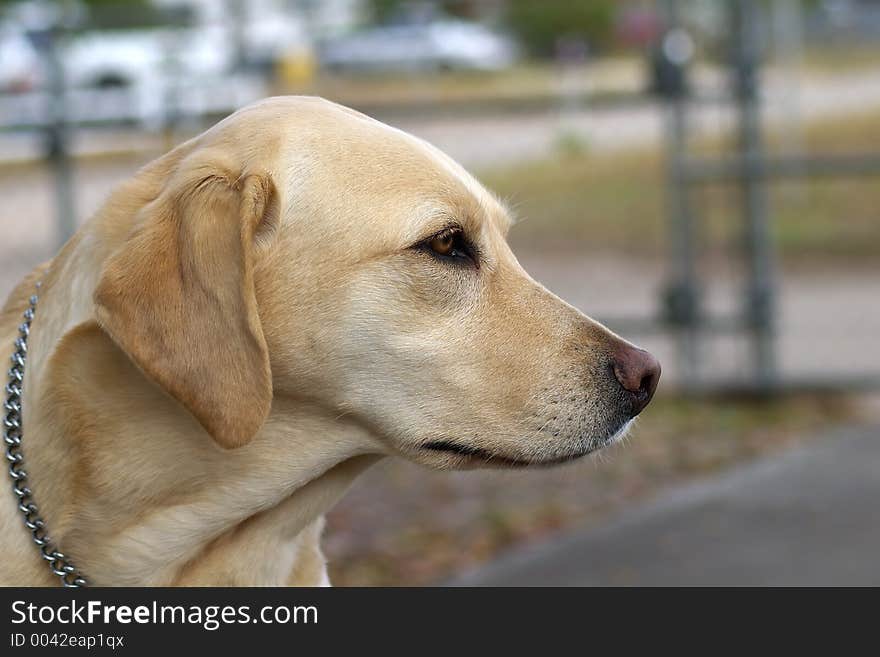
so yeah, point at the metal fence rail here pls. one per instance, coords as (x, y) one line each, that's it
(750, 169)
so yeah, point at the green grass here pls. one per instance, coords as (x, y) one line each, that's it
(841, 58)
(587, 201)
(524, 82)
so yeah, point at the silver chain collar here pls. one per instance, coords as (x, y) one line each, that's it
(59, 563)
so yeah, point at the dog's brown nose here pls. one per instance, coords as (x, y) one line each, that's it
(638, 372)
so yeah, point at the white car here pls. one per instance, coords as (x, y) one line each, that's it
(20, 65)
(442, 45)
(131, 75)
(149, 65)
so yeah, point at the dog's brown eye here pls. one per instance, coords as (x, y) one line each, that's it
(451, 245)
(443, 244)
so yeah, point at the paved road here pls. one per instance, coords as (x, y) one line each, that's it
(489, 141)
(808, 517)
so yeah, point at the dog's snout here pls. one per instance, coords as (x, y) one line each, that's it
(638, 372)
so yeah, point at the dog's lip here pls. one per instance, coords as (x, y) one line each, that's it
(492, 458)
(487, 457)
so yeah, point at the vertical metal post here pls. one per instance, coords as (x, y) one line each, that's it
(758, 245)
(238, 15)
(682, 296)
(788, 47)
(171, 78)
(57, 140)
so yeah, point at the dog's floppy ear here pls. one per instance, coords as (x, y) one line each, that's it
(178, 296)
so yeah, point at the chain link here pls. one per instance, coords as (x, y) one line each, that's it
(58, 563)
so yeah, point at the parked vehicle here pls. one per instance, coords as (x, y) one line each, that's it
(136, 75)
(194, 57)
(20, 68)
(440, 45)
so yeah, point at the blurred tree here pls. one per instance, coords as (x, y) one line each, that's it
(541, 25)
(110, 14)
(114, 14)
(383, 11)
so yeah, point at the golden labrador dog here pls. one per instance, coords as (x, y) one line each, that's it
(262, 313)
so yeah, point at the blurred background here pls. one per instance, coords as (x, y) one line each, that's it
(701, 175)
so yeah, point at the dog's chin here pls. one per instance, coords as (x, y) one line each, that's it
(452, 455)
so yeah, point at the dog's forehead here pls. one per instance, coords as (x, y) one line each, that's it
(469, 201)
(435, 186)
(364, 166)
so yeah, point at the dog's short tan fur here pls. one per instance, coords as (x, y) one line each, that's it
(246, 325)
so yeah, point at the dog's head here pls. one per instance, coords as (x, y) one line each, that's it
(302, 250)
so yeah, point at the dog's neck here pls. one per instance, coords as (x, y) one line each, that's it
(138, 494)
